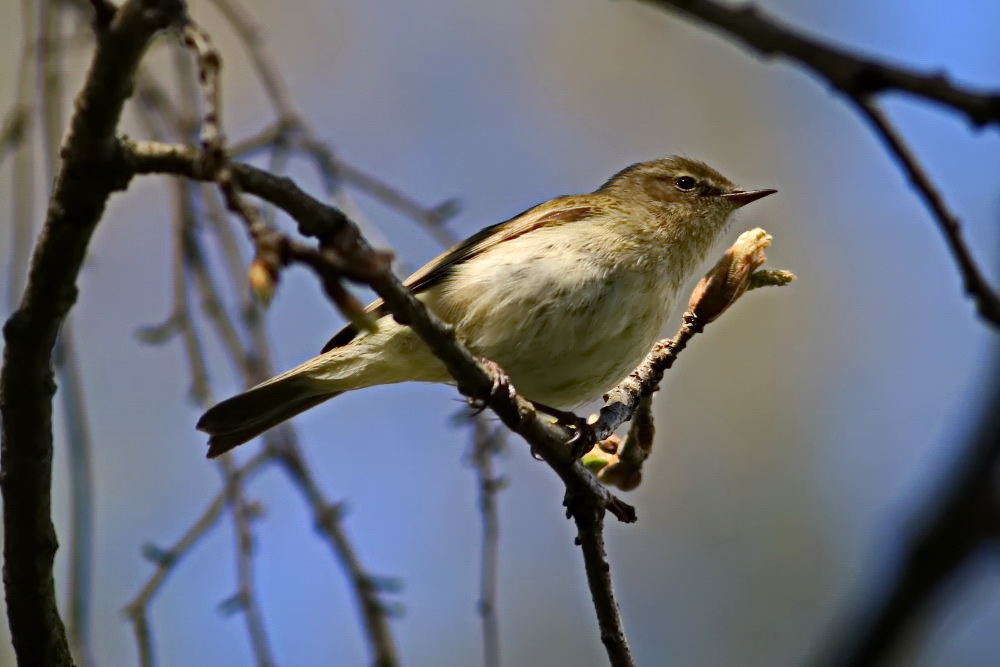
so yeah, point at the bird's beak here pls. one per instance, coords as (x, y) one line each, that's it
(744, 197)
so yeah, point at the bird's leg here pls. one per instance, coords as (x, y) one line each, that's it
(583, 439)
(501, 384)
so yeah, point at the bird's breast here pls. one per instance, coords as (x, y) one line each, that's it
(565, 321)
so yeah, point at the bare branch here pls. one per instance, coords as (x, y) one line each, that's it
(975, 283)
(85, 181)
(845, 70)
(959, 523)
(590, 537)
(77, 432)
(619, 463)
(243, 513)
(486, 442)
(167, 559)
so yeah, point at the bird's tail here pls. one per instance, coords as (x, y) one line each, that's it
(390, 354)
(245, 416)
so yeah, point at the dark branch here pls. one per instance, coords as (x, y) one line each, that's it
(960, 521)
(844, 69)
(85, 181)
(976, 285)
(590, 537)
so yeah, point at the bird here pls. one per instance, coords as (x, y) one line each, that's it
(567, 298)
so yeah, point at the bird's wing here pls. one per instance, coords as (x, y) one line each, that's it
(561, 210)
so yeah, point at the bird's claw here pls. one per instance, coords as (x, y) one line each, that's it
(501, 385)
(583, 440)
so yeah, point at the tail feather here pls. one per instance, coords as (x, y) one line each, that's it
(391, 354)
(245, 416)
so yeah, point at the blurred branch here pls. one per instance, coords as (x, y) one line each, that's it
(959, 522)
(14, 130)
(85, 181)
(167, 559)
(282, 449)
(486, 442)
(293, 136)
(291, 132)
(253, 364)
(327, 518)
(16, 139)
(245, 599)
(859, 79)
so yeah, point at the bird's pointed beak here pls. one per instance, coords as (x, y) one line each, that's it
(744, 197)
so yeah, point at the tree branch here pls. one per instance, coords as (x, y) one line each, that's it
(85, 181)
(166, 560)
(845, 70)
(975, 283)
(487, 440)
(590, 537)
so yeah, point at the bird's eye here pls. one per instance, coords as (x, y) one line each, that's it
(685, 183)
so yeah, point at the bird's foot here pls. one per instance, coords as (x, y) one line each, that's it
(501, 385)
(584, 438)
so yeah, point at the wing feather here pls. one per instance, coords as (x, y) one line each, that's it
(562, 210)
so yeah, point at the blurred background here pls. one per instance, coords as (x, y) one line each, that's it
(796, 439)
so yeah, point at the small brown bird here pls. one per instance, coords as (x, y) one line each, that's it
(568, 297)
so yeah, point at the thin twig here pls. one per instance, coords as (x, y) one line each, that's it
(166, 560)
(486, 442)
(327, 516)
(621, 402)
(249, 35)
(590, 536)
(976, 286)
(245, 599)
(843, 69)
